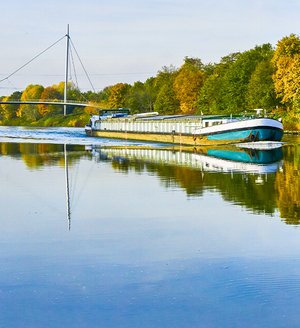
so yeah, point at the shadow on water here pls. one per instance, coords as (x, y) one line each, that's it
(262, 181)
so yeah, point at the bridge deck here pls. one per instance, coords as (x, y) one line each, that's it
(49, 102)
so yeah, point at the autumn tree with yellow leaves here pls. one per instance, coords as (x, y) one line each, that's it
(188, 84)
(117, 96)
(32, 92)
(287, 77)
(10, 111)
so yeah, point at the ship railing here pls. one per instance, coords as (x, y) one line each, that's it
(150, 126)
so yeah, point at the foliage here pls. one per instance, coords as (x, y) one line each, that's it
(32, 92)
(117, 96)
(73, 94)
(288, 46)
(237, 78)
(91, 110)
(10, 111)
(50, 93)
(261, 77)
(210, 100)
(166, 101)
(287, 80)
(288, 187)
(141, 97)
(261, 91)
(188, 83)
(232, 85)
(287, 77)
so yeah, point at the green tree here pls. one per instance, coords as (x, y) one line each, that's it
(261, 90)
(141, 97)
(238, 76)
(211, 98)
(150, 94)
(166, 101)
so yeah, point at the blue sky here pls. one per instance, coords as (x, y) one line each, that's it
(120, 41)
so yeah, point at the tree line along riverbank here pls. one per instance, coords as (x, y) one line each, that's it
(263, 77)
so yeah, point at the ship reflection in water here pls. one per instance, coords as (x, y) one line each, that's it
(228, 160)
(251, 178)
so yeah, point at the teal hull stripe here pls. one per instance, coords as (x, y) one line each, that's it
(271, 134)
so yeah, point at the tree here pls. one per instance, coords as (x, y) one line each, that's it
(238, 76)
(291, 83)
(261, 91)
(117, 96)
(90, 110)
(32, 92)
(141, 97)
(280, 77)
(5, 108)
(104, 97)
(188, 84)
(135, 98)
(73, 93)
(50, 93)
(289, 46)
(211, 98)
(166, 101)
(286, 78)
(150, 94)
(10, 111)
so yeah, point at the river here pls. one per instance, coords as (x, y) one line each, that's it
(146, 235)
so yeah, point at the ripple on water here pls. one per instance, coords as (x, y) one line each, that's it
(58, 135)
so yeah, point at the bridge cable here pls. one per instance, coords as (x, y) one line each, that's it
(73, 66)
(82, 66)
(32, 59)
(75, 75)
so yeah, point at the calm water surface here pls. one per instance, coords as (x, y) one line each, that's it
(153, 236)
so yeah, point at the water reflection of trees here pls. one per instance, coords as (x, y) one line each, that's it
(288, 186)
(35, 156)
(278, 191)
(240, 189)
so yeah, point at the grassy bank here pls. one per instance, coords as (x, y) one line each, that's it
(71, 120)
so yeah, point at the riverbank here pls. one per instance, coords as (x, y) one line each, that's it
(70, 120)
(80, 120)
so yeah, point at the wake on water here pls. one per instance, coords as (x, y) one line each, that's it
(59, 135)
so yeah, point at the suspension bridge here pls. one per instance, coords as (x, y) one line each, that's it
(50, 102)
(65, 102)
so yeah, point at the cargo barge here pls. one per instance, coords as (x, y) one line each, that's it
(192, 130)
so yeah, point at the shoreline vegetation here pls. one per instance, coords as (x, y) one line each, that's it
(70, 120)
(263, 77)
